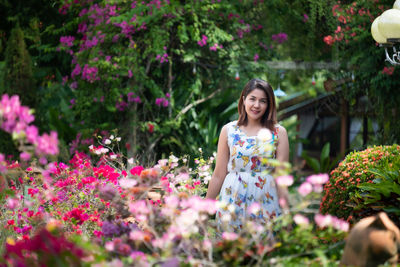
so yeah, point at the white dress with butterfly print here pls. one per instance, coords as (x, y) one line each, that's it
(247, 180)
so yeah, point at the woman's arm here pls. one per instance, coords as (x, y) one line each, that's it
(221, 166)
(282, 154)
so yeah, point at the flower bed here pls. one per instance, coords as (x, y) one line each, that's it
(342, 193)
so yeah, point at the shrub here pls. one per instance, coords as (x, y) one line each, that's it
(342, 195)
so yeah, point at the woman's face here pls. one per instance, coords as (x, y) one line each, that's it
(255, 104)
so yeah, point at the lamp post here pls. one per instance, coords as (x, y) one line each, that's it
(386, 31)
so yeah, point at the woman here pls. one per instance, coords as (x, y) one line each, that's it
(240, 178)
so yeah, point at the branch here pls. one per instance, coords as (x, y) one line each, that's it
(195, 103)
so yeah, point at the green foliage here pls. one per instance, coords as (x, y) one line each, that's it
(384, 191)
(361, 56)
(324, 164)
(347, 194)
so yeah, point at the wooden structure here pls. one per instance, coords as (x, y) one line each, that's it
(326, 118)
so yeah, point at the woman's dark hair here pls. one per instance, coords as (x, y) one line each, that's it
(268, 119)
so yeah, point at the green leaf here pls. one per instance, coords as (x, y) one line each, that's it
(312, 162)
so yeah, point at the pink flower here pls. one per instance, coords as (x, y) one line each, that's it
(340, 224)
(137, 170)
(323, 220)
(329, 40)
(229, 236)
(318, 179)
(25, 156)
(305, 189)
(203, 40)
(285, 180)
(301, 220)
(32, 133)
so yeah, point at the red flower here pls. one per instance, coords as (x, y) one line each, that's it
(329, 40)
(388, 70)
(150, 127)
(10, 222)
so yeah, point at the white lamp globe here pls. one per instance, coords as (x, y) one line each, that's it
(396, 4)
(389, 23)
(375, 32)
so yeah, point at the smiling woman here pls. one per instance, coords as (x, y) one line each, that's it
(240, 179)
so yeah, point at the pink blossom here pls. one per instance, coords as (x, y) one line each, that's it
(340, 224)
(47, 144)
(319, 179)
(285, 180)
(323, 220)
(203, 40)
(25, 156)
(305, 189)
(301, 220)
(229, 236)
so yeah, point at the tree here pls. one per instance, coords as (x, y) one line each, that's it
(18, 68)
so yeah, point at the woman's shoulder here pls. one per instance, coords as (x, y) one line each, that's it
(279, 129)
(230, 124)
(229, 127)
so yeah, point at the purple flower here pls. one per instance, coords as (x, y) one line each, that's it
(109, 229)
(77, 70)
(280, 37)
(90, 73)
(256, 57)
(67, 41)
(305, 18)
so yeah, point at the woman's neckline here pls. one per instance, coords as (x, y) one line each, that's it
(242, 131)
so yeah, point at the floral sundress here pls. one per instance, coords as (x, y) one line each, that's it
(248, 181)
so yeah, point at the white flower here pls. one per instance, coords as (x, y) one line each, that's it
(226, 217)
(91, 147)
(127, 183)
(113, 156)
(118, 139)
(112, 137)
(264, 135)
(173, 158)
(130, 161)
(107, 142)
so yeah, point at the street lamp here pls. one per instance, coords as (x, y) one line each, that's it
(386, 31)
